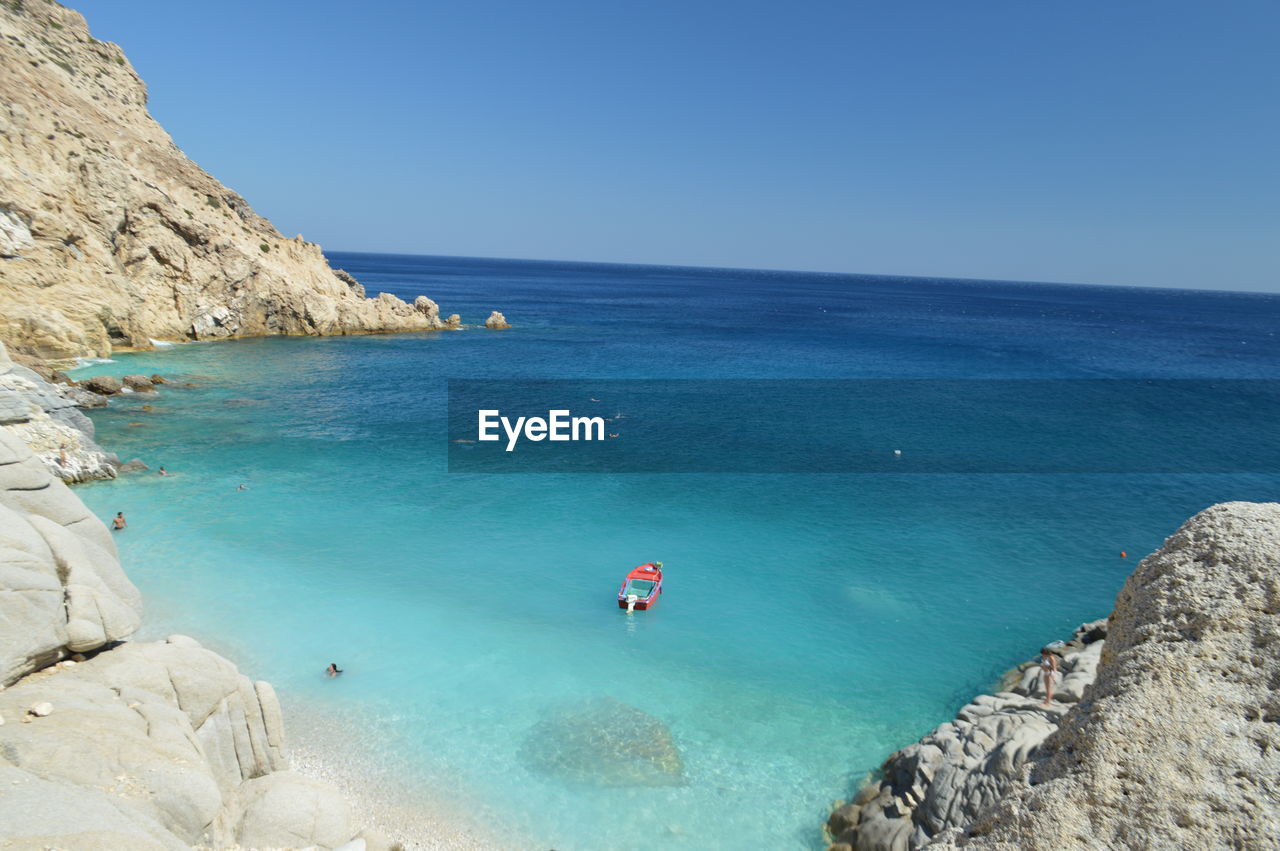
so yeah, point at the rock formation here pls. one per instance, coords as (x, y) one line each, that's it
(46, 417)
(1176, 744)
(110, 237)
(964, 766)
(496, 320)
(123, 745)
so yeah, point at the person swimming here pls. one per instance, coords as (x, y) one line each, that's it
(162, 471)
(333, 670)
(118, 522)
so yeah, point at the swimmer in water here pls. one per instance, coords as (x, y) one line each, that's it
(118, 522)
(162, 471)
(333, 670)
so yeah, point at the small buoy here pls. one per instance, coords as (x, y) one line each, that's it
(1123, 554)
(897, 452)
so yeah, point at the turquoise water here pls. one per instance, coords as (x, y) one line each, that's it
(810, 624)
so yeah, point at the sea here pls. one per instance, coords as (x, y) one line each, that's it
(811, 622)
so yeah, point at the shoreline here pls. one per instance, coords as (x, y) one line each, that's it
(403, 812)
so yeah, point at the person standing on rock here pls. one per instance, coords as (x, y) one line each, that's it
(118, 522)
(1048, 670)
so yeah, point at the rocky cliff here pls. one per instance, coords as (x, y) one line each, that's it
(110, 237)
(105, 744)
(1174, 744)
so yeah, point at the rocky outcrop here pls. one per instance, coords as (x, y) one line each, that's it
(496, 320)
(1171, 735)
(106, 744)
(1177, 743)
(46, 417)
(62, 589)
(110, 237)
(964, 766)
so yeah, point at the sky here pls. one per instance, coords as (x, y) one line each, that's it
(1130, 143)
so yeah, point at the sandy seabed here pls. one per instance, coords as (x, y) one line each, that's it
(324, 747)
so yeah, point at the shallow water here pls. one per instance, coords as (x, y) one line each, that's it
(811, 624)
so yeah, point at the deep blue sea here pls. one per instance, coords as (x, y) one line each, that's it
(811, 624)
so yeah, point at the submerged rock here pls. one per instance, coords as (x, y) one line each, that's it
(605, 742)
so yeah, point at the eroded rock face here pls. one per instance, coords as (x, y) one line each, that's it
(953, 774)
(158, 745)
(1169, 738)
(110, 237)
(496, 320)
(63, 588)
(46, 417)
(605, 743)
(1177, 743)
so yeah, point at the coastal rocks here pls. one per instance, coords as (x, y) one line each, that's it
(1176, 744)
(64, 590)
(427, 308)
(44, 416)
(953, 774)
(496, 320)
(138, 383)
(176, 741)
(142, 746)
(287, 810)
(605, 742)
(112, 238)
(103, 385)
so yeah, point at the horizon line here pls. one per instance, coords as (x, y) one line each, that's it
(810, 272)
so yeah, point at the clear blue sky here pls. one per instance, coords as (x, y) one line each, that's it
(1095, 142)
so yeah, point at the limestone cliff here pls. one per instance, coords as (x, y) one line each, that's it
(1173, 742)
(111, 237)
(1177, 744)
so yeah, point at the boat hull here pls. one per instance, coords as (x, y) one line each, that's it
(641, 605)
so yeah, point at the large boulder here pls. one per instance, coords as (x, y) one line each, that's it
(162, 745)
(103, 385)
(63, 588)
(1177, 743)
(496, 320)
(288, 810)
(138, 383)
(948, 778)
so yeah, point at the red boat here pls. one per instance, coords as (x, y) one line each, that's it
(641, 588)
